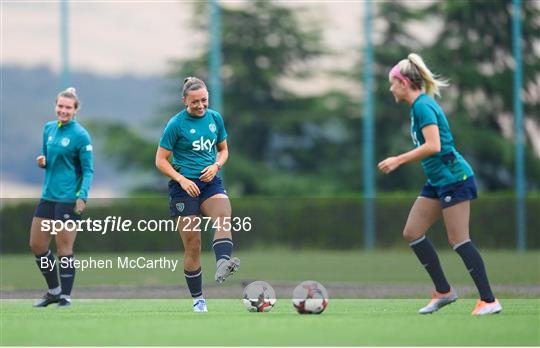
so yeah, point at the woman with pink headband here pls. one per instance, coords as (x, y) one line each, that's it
(449, 189)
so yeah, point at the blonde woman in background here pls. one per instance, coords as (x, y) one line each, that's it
(449, 189)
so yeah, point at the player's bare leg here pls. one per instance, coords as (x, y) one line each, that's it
(424, 213)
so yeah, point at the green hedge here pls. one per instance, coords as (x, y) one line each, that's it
(323, 223)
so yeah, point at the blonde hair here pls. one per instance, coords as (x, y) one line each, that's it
(192, 84)
(70, 93)
(417, 72)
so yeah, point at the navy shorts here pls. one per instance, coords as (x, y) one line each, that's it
(451, 194)
(56, 211)
(182, 204)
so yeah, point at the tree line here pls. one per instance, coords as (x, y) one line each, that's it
(284, 143)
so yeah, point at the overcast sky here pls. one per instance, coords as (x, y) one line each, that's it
(136, 37)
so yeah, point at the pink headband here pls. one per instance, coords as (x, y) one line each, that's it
(396, 72)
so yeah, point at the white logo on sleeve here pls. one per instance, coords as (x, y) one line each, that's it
(212, 127)
(89, 147)
(203, 144)
(192, 131)
(64, 142)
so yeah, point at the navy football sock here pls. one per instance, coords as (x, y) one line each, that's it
(194, 282)
(427, 255)
(45, 264)
(222, 248)
(67, 274)
(475, 265)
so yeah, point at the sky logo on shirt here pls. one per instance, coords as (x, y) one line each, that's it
(203, 144)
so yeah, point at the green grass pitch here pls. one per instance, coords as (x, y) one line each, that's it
(344, 323)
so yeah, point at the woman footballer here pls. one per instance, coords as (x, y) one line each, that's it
(449, 189)
(196, 139)
(67, 159)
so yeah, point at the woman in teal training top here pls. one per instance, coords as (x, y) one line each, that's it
(67, 160)
(196, 140)
(449, 189)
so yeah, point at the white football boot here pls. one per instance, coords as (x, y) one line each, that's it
(483, 308)
(199, 305)
(226, 268)
(438, 301)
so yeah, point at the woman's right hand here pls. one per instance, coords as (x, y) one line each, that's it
(190, 187)
(41, 162)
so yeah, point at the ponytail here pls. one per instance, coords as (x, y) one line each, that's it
(432, 83)
(414, 71)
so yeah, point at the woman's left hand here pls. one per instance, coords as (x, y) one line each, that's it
(80, 205)
(208, 173)
(389, 165)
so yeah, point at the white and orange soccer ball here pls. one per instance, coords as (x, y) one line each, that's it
(310, 297)
(259, 296)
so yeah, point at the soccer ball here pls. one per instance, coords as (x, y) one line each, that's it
(259, 296)
(310, 297)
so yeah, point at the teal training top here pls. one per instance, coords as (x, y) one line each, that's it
(193, 141)
(69, 167)
(447, 166)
